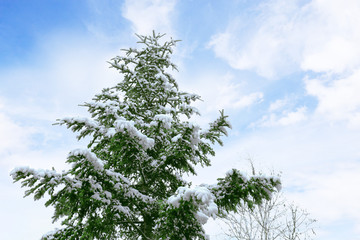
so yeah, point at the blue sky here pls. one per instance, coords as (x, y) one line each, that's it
(286, 72)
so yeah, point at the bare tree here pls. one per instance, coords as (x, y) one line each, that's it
(298, 224)
(275, 219)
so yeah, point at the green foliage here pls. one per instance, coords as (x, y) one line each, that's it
(235, 189)
(179, 222)
(127, 183)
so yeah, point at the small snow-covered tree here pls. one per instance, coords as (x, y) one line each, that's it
(128, 182)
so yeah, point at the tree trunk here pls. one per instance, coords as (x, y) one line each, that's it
(147, 227)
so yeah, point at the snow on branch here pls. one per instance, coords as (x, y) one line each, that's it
(88, 126)
(121, 182)
(165, 119)
(122, 124)
(236, 187)
(216, 129)
(97, 163)
(202, 199)
(37, 174)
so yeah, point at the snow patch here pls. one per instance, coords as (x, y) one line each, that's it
(201, 197)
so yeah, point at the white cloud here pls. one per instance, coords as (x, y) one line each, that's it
(331, 195)
(335, 55)
(293, 117)
(67, 70)
(284, 119)
(333, 45)
(13, 137)
(288, 36)
(249, 100)
(278, 104)
(222, 92)
(338, 99)
(150, 15)
(265, 48)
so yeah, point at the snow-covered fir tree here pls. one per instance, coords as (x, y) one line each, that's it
(127, 183)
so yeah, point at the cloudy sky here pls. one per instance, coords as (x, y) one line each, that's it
(287, 73)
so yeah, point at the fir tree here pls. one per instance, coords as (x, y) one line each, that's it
(127, 183)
